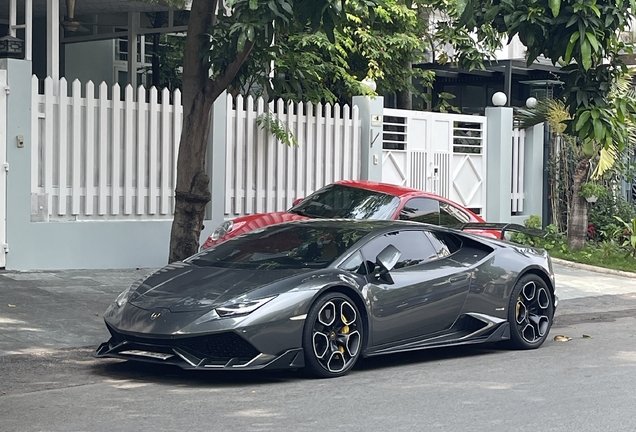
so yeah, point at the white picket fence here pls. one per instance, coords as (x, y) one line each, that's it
(96, 158)
(263, 175)
(101, 158)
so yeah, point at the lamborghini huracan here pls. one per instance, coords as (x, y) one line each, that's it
(324, 293)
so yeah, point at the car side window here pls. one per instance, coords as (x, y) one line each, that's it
(414, 245)
(354, 264)
(424, 210)
(451, 216)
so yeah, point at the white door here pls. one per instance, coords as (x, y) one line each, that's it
(4, 167)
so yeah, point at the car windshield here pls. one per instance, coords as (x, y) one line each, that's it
(287, 246)
(338, 201)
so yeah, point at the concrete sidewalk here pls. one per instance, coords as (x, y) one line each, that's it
(42, 310)
(46, 310)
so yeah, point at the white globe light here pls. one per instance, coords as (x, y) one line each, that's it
(531, 102)
(369, 83)
(499, 99)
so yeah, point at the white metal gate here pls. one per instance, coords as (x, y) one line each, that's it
(4, 168)
(440, 153)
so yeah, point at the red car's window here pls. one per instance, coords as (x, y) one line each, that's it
(338, 201)
(432, 211)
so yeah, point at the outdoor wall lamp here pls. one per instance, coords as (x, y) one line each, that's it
(11, 46)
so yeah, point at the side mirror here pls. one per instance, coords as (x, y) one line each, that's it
(297, 201)
(386, 260)
(389, 256)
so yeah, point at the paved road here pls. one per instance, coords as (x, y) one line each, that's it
(585, 385)
(49, 381)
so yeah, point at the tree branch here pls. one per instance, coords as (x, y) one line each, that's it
(217, 86)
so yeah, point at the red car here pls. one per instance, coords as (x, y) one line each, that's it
(349, 199)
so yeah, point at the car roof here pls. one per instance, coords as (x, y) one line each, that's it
(391, 189)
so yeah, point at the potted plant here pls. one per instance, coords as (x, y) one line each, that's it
(592, 191)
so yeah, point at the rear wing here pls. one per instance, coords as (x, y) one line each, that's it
(503, 228)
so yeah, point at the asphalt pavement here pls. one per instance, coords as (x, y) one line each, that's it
(49, 310)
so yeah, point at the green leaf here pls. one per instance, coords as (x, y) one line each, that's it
(461, 6)
(287, 7)
(590, 36)
(555, 7)
(588, 147)
(240, 44)
(599, 131)
(586, 54)
(253, 4)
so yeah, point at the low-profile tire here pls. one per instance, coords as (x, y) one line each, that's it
(333, 336)
(530, 313)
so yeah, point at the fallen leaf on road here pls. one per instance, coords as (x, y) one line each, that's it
(561, 338)
(587, 337)
(11, 305)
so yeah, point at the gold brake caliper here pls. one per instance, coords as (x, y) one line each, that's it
(518, 308)
(343, 330)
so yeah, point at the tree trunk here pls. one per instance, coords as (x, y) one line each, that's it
(577, 217)
(192, 191)
(404, 98)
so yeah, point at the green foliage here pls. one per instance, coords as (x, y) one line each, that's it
(380, 43)
(591, 189)
(602, 214)
(630, 228)
(552, 241)
(169, 54)
(272, 124)
(443, 104)
(582, 36)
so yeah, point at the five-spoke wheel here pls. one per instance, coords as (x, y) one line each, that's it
(332, 338)
(530, 313)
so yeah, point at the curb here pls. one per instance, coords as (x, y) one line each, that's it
(593, 268)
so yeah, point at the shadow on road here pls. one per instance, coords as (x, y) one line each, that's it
(167, 374)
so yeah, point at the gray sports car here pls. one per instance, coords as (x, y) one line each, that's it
(322, 293)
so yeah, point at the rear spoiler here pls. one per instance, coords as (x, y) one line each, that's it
(503, 228)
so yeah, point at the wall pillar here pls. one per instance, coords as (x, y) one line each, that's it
(499, 172)
(215, 164)
(371, 111)
(19, 158)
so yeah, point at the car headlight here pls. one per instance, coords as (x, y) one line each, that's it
(123, 298)
(241, 307)
(223, 229)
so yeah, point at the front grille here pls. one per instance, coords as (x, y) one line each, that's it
(219, 346)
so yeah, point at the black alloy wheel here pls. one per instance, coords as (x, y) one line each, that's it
(530, 313)
(332, 338)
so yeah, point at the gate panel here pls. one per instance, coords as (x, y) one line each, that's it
(436, 152)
